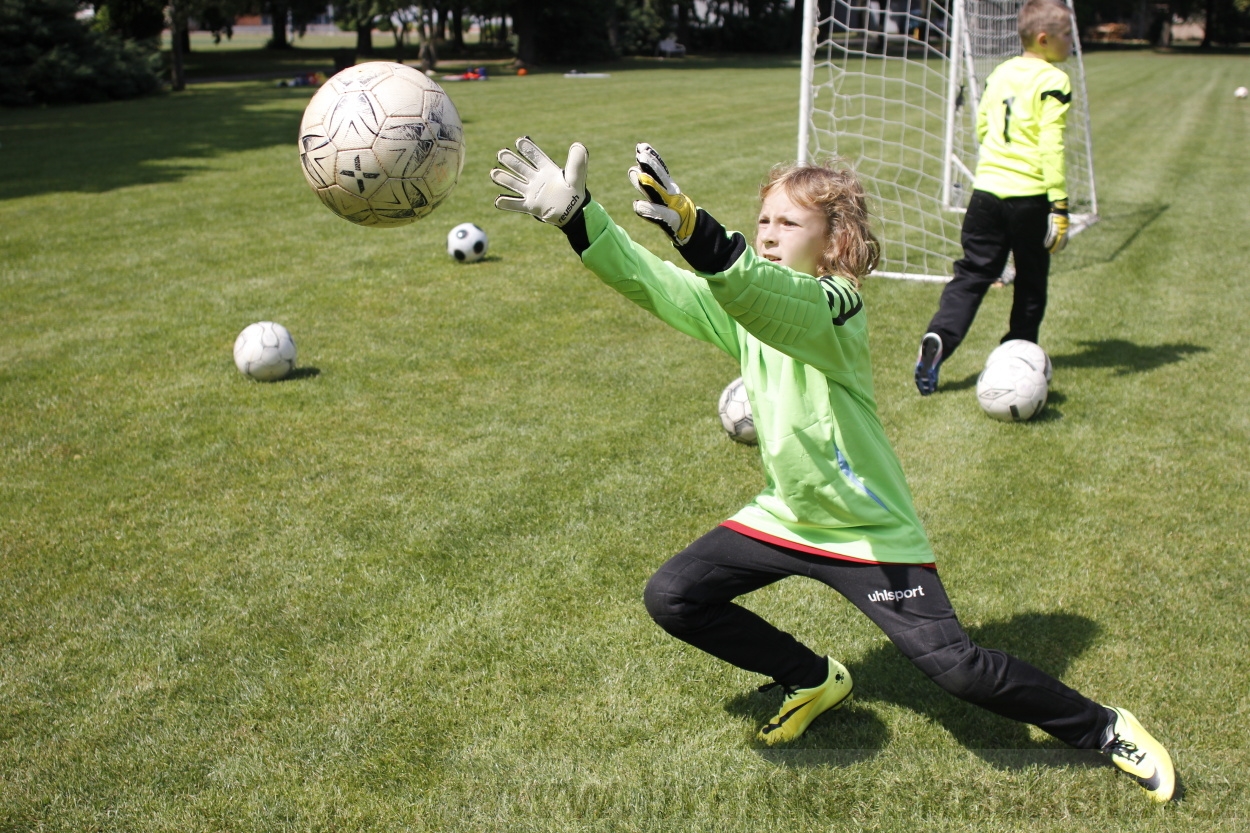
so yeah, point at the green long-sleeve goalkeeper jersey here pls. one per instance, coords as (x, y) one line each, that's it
(833, 483)
(1020, 124)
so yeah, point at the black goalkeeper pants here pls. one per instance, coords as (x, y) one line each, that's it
(993, 228)
(691, 597)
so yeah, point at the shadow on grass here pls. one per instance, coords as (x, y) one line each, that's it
(1125, 356)
(102, 147)
(1047, 640)
(301, 373)
(1110, 237)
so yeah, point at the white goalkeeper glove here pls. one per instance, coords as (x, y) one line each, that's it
(546, 191)
(665, 204)
(1057, 228)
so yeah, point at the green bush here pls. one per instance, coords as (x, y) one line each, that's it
(48, 56)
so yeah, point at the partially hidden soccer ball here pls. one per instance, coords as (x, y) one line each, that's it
(381, 144)
(265, 351)
(1026, 350)
(735, 413)
(1240, 92)
(1011, 390)
(467, 243)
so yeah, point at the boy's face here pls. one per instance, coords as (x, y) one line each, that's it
(1054, 48)
(791, 234)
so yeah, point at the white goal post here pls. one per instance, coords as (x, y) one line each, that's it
(891, 87)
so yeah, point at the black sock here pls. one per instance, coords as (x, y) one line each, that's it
(818, 674)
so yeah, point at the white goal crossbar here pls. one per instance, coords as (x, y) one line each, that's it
(892, 87)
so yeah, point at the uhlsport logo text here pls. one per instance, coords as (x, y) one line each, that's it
(895, 595)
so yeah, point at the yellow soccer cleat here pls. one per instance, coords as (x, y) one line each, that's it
(1132, 749)
(803, 705)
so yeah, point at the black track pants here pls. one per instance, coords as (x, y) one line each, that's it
(993, 228)
(691, 595)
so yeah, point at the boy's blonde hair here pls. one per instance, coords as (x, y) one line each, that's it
(1037, 16)
(852, 250)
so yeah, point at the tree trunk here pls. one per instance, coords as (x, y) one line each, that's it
(457, 27)
(177, 25)
(364, 38)
(683, 22)
(278, 18)
(525, 24)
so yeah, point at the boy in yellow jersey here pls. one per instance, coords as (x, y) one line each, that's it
(1020, 201)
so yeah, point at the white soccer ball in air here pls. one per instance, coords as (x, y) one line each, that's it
(735, 413)
(381, 144)
(265, 351)
(1011, 390)
(467, 243)
(1240, 92)
(1026, 350)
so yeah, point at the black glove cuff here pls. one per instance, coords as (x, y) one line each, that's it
(711, 249)
(575, 228)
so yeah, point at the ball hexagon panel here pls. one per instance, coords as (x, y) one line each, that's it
(359, 172)
(361, 76)
(404, 143)
(444, 170)
(317, 156)
(396, 94)
(354, 120)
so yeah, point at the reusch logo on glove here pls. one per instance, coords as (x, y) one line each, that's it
(569, 210)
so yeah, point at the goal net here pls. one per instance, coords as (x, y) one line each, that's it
(892, 87)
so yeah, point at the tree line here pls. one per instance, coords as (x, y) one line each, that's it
(51, 52)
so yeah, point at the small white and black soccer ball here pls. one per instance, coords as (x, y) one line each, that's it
(1241, 92)
(735, 413)
(467, 243)
(264, 351)
(1021, 349)
(1012, 390)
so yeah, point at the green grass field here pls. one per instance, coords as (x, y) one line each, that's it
(401, 590)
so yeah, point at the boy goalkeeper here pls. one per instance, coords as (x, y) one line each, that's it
(1019, 201)
(836, 507)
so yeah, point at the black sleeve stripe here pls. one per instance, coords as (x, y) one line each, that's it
(711, 249)
(1058, 95)
(843, 303)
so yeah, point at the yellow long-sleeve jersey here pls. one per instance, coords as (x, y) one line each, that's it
(1020, 124)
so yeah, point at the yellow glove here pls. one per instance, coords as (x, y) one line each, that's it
(1057, 230)
(665, 204)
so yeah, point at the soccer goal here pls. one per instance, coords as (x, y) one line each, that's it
(892, 86)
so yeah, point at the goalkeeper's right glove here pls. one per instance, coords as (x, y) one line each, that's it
(1057, 227)
(665, 204)
(545, 191)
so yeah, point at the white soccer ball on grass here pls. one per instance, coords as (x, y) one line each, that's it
(1012, 390)
(467, 243)
(1241, 92)
(735, 413)
(265, 351)
(381, 144)
(1021, 349)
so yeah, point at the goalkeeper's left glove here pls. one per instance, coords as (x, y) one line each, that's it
(545, 191)
(665, 204)
(1057, 228)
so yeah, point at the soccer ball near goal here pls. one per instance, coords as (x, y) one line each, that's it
(467, 243)
(1025, 350)
(735, 413)
(381, 144)
(265, 351)
(1011, 390)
